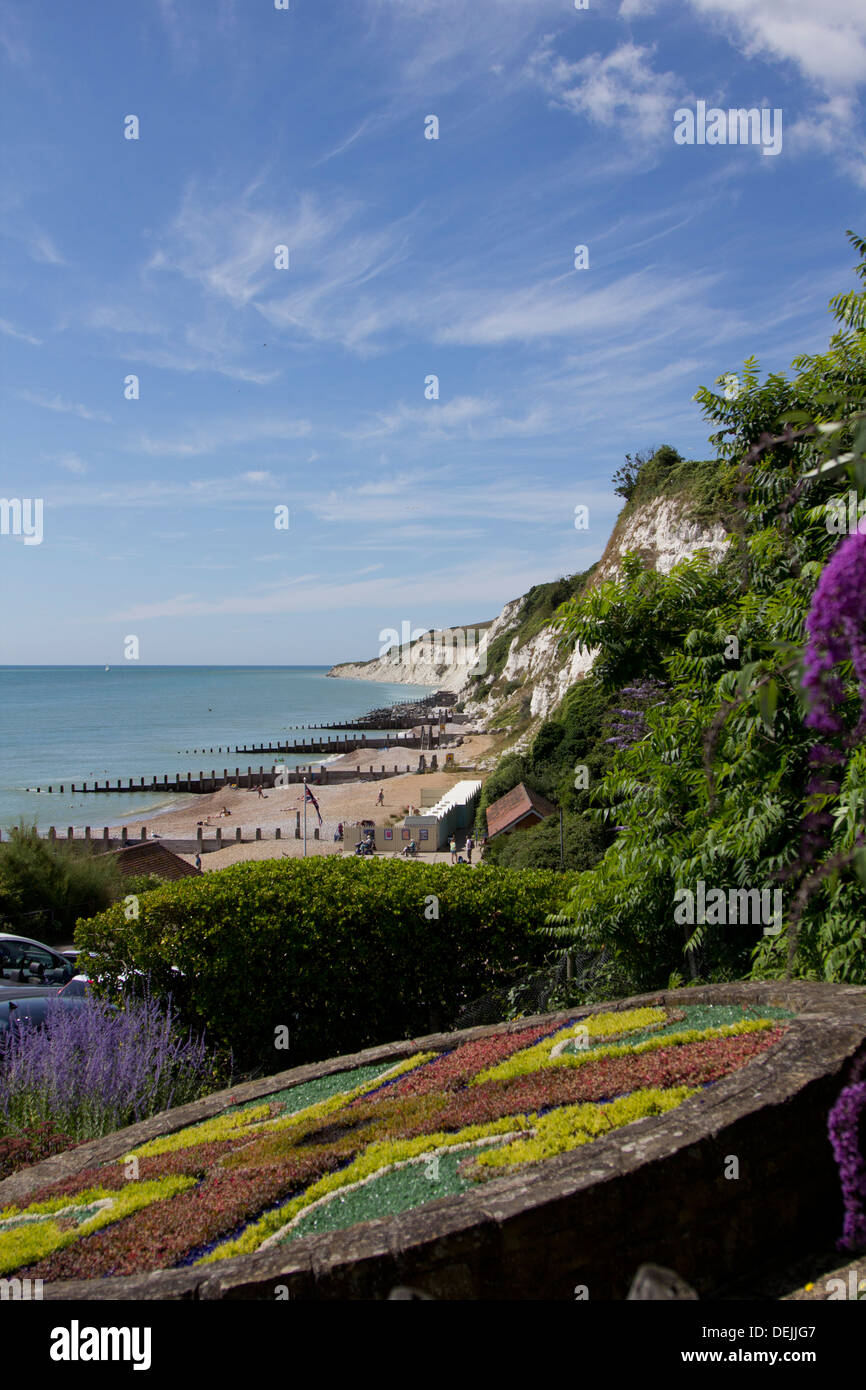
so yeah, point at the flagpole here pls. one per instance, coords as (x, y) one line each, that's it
(305, 817)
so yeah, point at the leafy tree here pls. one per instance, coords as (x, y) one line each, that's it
(626, 476)
(52, 883)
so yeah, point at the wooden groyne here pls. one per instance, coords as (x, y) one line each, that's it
(265, 777)
(336, 745)
(341, 745)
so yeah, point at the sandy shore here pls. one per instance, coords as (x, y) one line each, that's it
(348, 802)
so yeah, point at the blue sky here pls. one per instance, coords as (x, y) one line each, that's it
(305, 387)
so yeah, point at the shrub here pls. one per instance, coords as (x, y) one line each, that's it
(538, 847)
(342, 953)
(61, 882)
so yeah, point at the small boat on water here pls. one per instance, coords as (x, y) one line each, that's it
(108, 668)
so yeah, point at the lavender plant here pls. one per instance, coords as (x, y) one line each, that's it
(95, 1070)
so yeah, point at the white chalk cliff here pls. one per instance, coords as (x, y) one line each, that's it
(659, 530)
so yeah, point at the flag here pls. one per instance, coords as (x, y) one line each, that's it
(308, 796)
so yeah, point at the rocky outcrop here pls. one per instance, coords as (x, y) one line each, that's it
(659, 530)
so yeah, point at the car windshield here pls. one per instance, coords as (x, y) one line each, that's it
(25, 963)
(76, 988)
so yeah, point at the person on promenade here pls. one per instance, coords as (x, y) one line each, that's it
(470, 843)
(453, 848)
(198, 861)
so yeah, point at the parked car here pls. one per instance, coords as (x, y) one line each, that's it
(30, 969)
(34, 1008)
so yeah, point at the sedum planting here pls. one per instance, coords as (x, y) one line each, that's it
(376, 1141)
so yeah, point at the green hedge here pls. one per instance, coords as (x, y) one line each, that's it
(339, 951)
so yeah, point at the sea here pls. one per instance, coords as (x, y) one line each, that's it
(75, 724)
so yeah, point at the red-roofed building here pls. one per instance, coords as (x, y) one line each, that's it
(150, 857)
(517, 809)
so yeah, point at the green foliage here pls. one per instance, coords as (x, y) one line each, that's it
(508, 772)
(338, 951)
(538, 846)
(52, 885)
(641, 615)
(716, 790)
(497, 654)
(538, 606)
(542, 601)
(703, 485)
(626, 476)
(141, 883)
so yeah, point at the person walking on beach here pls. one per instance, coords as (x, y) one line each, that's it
(469, 847)
(380, 799)
(198, 861)
(453, 848)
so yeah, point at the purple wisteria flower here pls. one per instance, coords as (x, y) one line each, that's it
(847, 1129)
(836, 628)
(630, 725)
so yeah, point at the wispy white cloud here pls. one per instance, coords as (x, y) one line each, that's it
(486, 581)
(469, 415)
(12, 38)
(258, 477)
(568, 306)
(41, 248)
(228, 245)
(828, 128)
(64, 407)
(227, 433)
(12, 332)
(72, 463)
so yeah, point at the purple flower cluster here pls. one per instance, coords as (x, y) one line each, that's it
(97, 1069)
(630, 725)
(847, 1129)
(836, 627)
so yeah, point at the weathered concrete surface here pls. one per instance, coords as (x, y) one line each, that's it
(653, 1192)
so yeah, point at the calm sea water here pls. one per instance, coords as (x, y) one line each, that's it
(64, 724)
